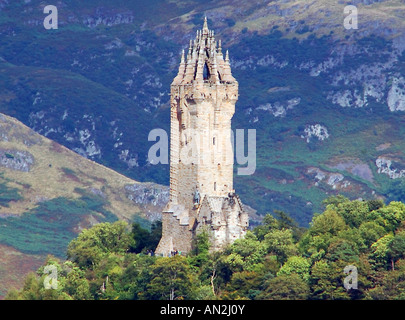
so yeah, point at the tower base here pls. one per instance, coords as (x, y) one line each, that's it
(223, 217)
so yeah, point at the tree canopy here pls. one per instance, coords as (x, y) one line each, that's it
(276, 260)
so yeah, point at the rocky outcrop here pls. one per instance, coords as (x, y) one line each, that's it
(151, 197)
(16, 160)
(279, 109)
(354, 166)
(333, 179)
(386, 166)
(317, 131)
(396, 95)
(109, 19)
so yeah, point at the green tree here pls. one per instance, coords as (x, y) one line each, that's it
(353, 212)
(285, 287)
(145, 240)
(375, 204)
(329, 223)
(201, 247)
(215, 272)
(171, 279)
(246, 284)
(343, 250)
(245, 254)
(108, 272)
(391, 286)
(396, 248)
(155, 234)
(326, 281)
(323, 229)
(141, 238)
(380, 251)
(268, 223)
(355, 238)
(93, 244)
(136, 276)
(390, 216)
(77, 286)
(281, 244)
(370, 232)
(279, 221)
(296, 265)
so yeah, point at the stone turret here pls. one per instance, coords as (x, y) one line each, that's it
(203, 97)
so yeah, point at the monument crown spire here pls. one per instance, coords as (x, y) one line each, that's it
(204, 54)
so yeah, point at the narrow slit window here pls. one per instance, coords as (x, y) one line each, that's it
(206, 72)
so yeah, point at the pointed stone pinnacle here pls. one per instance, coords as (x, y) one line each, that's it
(205, 26)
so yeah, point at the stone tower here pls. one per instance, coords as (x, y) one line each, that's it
(203, 97)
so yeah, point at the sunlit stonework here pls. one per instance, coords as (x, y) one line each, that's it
(203, 97)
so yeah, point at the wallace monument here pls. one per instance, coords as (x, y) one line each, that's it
(203, 97)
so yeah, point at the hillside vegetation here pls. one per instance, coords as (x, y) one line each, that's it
(48, 194)
(276, 261)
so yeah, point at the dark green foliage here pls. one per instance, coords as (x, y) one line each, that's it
(146, 240)
(8, 194)
(269, 263)
(68, 171)
(285, 287)
(170, 279)
(140, 237)
(395, 190)
(200, 251)
(397, 248)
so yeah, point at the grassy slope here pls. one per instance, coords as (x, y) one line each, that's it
(57, 172)
(53, 200)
